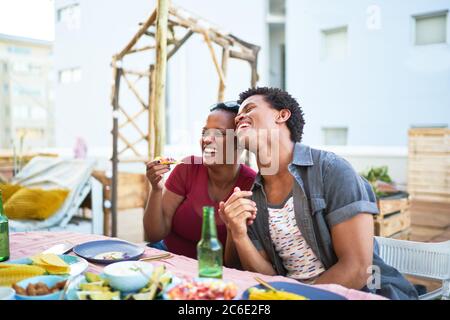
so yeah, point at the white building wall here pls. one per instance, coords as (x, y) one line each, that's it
(83, 109)
(386, 83)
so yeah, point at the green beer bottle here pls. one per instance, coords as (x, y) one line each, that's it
(4, 233)
(209, 249)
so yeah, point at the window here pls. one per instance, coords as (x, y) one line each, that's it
(277, 7)
(19, 91)
(30, 133)
(20, 67)
(69, 75)
(277, 43)
(35, 69)
(335, 136)
(277, 56)
(70, 16)
(334, 44)
(21, 112)
(38, 113)
(76, 75)
(431, 28)
(19, 50)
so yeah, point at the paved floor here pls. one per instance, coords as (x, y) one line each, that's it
(130, 225)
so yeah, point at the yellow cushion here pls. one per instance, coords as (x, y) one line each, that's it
(35, 204)
(8, 190)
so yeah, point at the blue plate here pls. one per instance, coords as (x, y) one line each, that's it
(90, 250)
(309, 292)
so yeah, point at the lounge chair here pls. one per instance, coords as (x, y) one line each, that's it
(75, 175)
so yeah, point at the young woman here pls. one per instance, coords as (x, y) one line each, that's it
(174, 209)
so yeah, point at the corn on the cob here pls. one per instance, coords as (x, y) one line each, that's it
(257, 294)
(12, 273)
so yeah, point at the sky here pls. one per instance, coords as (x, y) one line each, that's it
(27, 18)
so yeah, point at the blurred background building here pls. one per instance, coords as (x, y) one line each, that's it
(27, 93)
(363, 72)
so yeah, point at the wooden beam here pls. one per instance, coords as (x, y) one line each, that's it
(151, 112)
(136, 73)
(132, 122)
(160, 74)
(115, 155)
(225, 56)
(128, 144)
(132, 118)
(242, 56)
(134, 90)
(179, 44)
(141, 49)
(213, 55)
(137, 36)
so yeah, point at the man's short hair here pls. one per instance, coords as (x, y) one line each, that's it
(279, 100)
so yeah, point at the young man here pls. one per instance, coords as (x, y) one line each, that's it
(314, 217)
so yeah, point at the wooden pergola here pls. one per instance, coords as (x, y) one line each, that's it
(167, 29)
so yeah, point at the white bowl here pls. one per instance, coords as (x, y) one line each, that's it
(128, 276)
(7, 293)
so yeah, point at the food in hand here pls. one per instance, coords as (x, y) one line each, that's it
(38, 289)
(262, 294)
(166, 160)
(203, 290)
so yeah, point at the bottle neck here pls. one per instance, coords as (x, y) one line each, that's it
(209, 229)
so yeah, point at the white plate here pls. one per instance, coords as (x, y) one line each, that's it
(78, 267)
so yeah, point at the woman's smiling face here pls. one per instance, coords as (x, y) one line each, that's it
(218, 139)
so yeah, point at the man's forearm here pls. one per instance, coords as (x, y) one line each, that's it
(250, 258)
(231, 254)
(347, 275)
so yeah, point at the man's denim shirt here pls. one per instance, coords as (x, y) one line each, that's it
(327, 192)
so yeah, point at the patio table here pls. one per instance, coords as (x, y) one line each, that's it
(24, 244)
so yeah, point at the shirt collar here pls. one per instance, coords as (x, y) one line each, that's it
(302, 158)
(302, 155)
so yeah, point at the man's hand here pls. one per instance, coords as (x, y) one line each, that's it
(238, 212)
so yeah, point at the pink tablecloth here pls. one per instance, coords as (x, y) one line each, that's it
(24, 244)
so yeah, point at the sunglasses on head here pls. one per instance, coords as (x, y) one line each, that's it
(233, 105)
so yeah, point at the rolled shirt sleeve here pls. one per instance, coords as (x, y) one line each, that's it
(346, 193)
(252, 234)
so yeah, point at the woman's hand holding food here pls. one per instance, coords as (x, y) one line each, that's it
(155, 174)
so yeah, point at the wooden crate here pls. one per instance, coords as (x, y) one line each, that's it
(388, 206)
(393, 224)
(394, 219)
(132, 189)
(429, 165)
(402, 235)
(132, 192)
